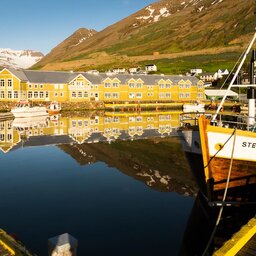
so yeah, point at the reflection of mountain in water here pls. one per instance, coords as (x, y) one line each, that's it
(139, 144)
(158, 162)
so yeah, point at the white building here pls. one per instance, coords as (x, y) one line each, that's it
(196, 71)
(151, 67)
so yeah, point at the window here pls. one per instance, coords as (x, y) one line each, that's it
(181, 95)
(80, 123)
(55, 94)
(2, 82)
(131, 85)
(132, 95)
(29, 94)
(115, 119)
(79, 94)
(2, 96)
(139, 85)
(200, 95)
(150, 87)
(161, 86)
(61, 94)
(181, 86)
(115, 95)
(139, 95)
(46, 94)
(73, 94)
(85, 94)
(15, 95)
(107, 95)
(200, 86)
(107, 85)
(115, 85)
(41, 86)
(61, 86)
(41, 95)
(187, 95)
(55, 86)
(187, 86)
(168, 95)
(168, 86)
(9, 82)
(139, 119)
(9, 95)
(73, 123)
(36, 86)
(30, 86)
(1, 137)
(35, 95)
(150, 94)
(161, 95)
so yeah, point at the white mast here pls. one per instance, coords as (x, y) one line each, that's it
(235, 75)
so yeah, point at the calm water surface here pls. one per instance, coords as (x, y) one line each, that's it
(120, 198)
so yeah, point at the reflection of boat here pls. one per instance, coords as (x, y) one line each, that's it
(29, 122)
(54, 108)
(25, 109)
(196, 107)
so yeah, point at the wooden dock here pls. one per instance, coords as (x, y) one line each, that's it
(9, 246)
(243, 243)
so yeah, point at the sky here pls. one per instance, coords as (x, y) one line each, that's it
(42, 24)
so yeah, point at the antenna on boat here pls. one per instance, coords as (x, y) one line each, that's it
(234, 77)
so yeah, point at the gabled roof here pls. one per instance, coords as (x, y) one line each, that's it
(18, 73)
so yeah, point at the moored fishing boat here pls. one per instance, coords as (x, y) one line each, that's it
(25, 109)
(222, 150)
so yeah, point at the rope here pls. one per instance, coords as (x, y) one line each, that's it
(224, 196)
(220, 149)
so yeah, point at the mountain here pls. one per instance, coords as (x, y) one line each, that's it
(20, 59)
(167, 28)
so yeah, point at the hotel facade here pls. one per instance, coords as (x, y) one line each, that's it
(38, 86)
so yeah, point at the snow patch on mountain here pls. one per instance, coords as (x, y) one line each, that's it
(154, 15)
(20, 59)
(84, 38)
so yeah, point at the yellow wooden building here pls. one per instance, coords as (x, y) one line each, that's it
(59, 86)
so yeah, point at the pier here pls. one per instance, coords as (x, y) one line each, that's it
(242, 243)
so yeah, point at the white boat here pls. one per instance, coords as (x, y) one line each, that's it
(24, 109)
(196, 107)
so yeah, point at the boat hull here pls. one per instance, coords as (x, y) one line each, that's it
(29, 112)
(227, 150)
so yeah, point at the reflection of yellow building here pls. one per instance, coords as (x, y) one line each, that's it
(110, 127)
(8, 136)
(77, 87)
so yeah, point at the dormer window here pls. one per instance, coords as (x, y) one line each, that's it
(115, 84)
(131, 85)
(107, 85)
